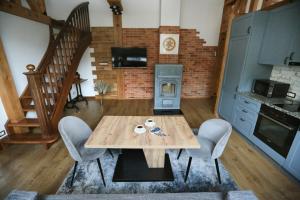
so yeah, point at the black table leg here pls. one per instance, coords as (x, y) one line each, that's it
(132, 167)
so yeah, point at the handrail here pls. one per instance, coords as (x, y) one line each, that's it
(53, 43)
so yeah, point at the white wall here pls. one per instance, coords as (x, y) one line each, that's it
(100, 14)
(25, 42)
(170, 13)
(203, 15)
(138, 13)
(141, 13)
(85, 71)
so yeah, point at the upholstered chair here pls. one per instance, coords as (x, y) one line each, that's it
(213, 136)
(74, 133)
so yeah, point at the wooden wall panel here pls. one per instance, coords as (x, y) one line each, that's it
(8, 92)
(102, 41)
(271, 4)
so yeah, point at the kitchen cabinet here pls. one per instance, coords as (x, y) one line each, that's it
(292, 163)
(295, 52)
(236, 57)
(241, 26)
(245, 115)
(242, 60)
(282, 36)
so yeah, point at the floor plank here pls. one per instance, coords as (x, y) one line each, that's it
(31, 167)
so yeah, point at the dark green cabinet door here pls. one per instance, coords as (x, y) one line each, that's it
(226, 105)
(279, 35)
(241, 26)
(295, 50)
(235, 62)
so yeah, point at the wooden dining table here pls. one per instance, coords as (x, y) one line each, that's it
(143, 156)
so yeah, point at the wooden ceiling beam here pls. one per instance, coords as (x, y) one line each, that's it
(115, 2)
(271, 4)
(15, 9)
(253, 5)
(8, 91)
(37, 5)
(229, 2)
(42, 6)
(33, 6)
(17, 2)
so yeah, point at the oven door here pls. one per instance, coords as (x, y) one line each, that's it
(275, 134)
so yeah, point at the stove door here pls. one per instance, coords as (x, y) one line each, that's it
(168, 89)
(275, 134)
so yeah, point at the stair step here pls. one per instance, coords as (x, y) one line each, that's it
(26, 97)
(26, 122)
(28, 138)
(29, 108)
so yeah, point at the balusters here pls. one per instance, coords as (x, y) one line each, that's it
(47, 82)
(65, 57)
(46, 95)
(88, 19)
(36, 86)
(61, 59)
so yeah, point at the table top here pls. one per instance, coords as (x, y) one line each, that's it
(118, 132)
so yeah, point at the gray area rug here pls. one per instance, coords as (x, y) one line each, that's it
(202, 178)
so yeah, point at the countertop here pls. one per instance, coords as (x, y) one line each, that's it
(270, 102)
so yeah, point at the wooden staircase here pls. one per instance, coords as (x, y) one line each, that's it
(49, 83)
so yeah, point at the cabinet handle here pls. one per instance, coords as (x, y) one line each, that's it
(246, 102)
(245, 111)
(248, 29)
(291, 55)
(285, 60)
(242, 119)
(236, 88)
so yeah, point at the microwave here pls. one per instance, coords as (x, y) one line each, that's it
(270, 89)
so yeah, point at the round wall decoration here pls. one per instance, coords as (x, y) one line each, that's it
(169, 44)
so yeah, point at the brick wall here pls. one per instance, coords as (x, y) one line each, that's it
(199, 65)
(138, 83)
(199, 62)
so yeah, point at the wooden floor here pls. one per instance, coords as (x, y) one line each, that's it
(34, 168)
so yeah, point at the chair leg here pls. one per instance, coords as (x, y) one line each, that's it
(109, 151)
(179, 153)
(188, 169)
(74, 171)
(218, 170)
(102, 176)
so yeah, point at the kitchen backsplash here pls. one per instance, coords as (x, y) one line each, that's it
(289, 75)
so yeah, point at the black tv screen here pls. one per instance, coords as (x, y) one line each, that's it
(129, 57)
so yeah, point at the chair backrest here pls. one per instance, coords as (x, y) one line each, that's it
(74, 132)
(218, 131)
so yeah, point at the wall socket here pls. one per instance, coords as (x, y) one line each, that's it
(3, 134)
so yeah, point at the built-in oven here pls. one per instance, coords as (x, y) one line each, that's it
(276, 129)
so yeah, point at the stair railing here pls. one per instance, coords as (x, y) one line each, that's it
(51, 81)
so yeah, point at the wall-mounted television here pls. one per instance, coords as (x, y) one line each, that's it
(129, 57)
